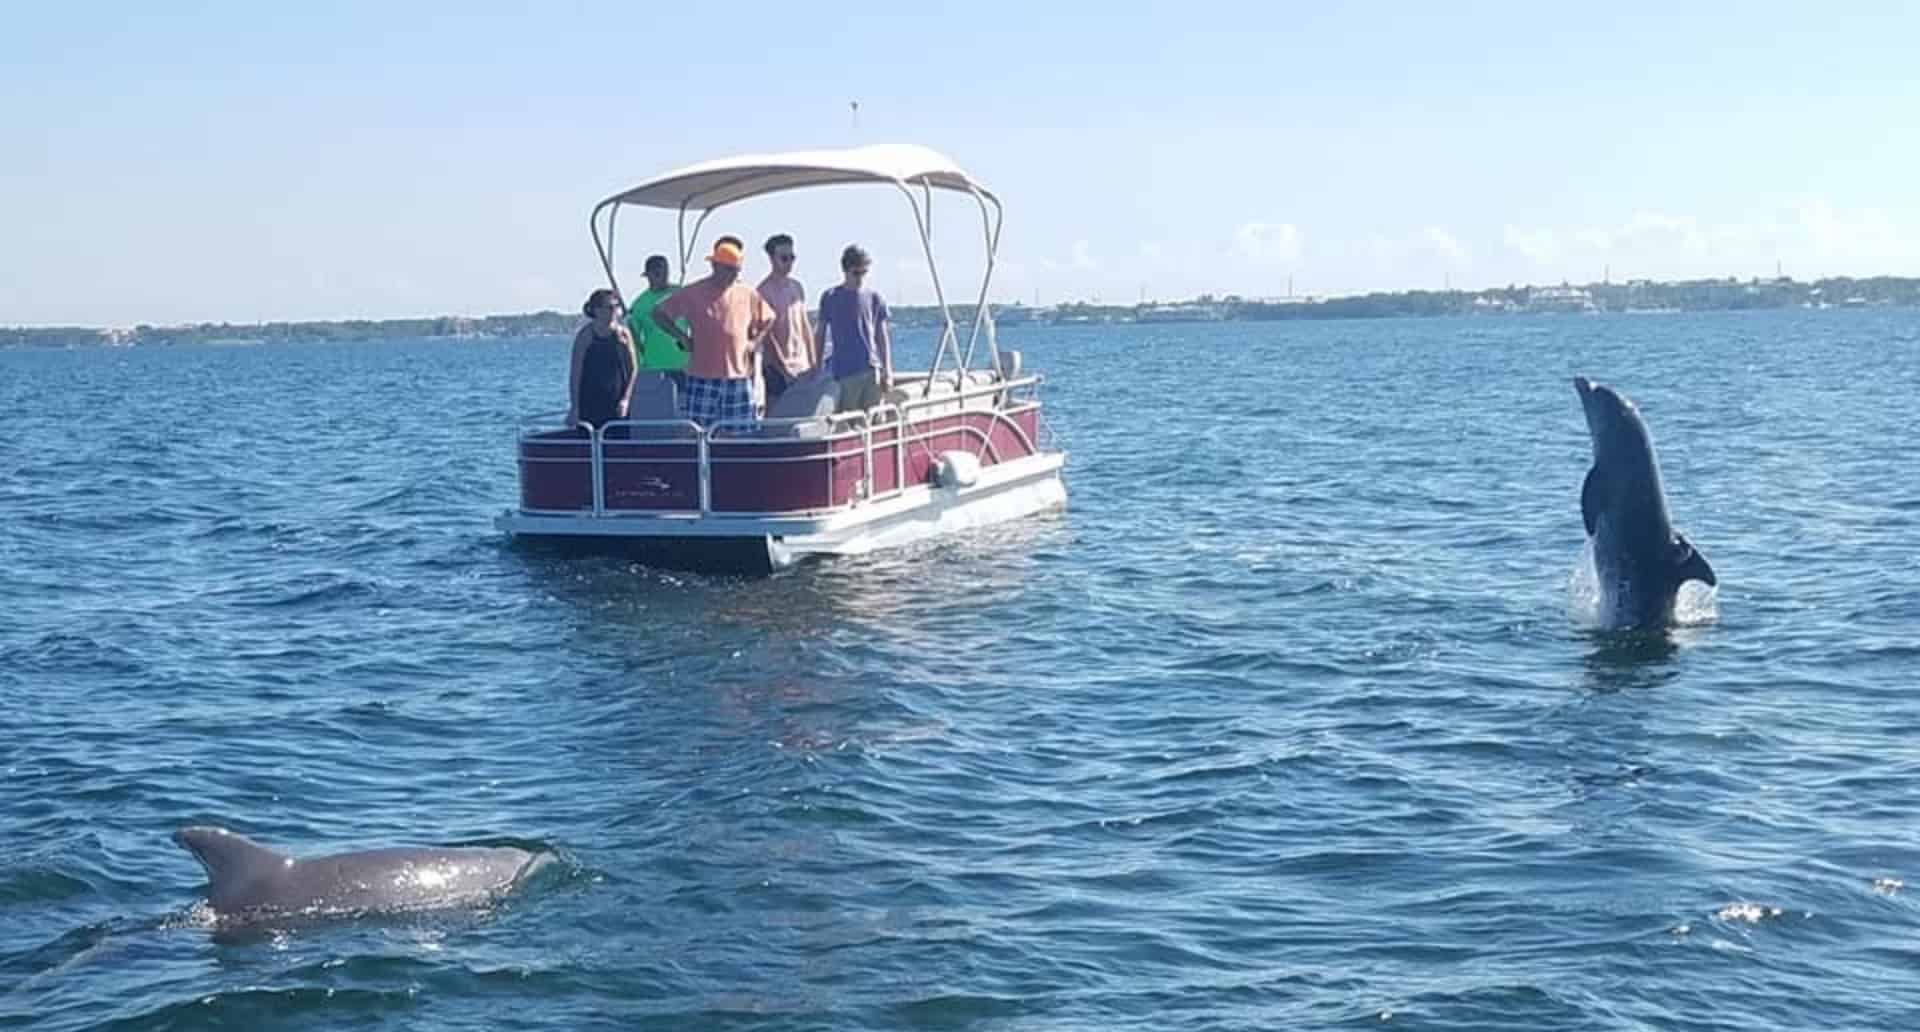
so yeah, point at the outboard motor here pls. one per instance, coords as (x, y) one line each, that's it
(1009, 365)
(956, 469)
(1009, 369)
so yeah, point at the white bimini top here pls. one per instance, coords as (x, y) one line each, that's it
(711, 184)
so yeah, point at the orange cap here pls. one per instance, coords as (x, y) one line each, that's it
(726, 252)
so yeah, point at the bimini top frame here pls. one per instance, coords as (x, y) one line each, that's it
(703, 188)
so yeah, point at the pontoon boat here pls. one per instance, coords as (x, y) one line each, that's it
(952, 447)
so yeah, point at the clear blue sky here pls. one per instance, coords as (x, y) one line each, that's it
(247, 161)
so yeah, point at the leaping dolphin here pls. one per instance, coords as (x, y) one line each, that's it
(246, 878)
(1641, 560)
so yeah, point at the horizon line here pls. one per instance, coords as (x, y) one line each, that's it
(1095, 301)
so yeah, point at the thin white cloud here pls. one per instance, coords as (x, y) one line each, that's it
(1013, 271)
(1424, 243)
(1809, 239)
(1268, 242)
(1539, 245)
(1654, 243)
(1864, 234)
(1648, 229)
(1817, 227)
(1443, 243)
(1079, 259)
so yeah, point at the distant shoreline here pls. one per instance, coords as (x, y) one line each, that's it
(1629, 297)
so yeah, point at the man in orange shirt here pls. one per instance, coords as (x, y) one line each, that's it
(727, 319)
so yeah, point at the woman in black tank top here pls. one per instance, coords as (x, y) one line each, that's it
(603, 363)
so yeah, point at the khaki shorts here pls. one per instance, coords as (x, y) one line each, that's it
(859, 392)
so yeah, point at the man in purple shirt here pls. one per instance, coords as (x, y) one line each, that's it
(853, 326)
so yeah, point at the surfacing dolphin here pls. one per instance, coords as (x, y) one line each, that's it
(245, 878)
(1641, 560)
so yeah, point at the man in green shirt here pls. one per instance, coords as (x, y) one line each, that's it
(659, 351)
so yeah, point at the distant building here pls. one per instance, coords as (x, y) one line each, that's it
(1189, 312)
(1562, 298)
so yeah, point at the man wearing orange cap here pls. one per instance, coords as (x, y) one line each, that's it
(727, 319)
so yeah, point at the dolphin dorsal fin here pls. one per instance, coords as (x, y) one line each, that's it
(231, 859)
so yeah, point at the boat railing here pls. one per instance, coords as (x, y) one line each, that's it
(907, 417)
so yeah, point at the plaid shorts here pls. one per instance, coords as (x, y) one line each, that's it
(714, 401)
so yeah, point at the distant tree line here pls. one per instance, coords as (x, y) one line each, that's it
(1637, 295)
(1716, 295)
(527, 325)
(1634, 295)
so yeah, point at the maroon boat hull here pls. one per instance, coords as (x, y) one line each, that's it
(761, 474)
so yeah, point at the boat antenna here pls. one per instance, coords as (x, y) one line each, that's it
(854, 105)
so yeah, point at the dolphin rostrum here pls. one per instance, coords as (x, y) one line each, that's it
(244, 877)
(1641, 560)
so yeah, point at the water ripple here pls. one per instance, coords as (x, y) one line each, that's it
(1288, 725)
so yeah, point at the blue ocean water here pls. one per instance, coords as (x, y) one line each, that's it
(1286, 722)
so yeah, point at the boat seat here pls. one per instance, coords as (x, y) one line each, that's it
(813, 395)
(945, 385)
(654, 397)
(801, 411)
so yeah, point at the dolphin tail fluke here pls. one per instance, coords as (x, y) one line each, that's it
(227, 856)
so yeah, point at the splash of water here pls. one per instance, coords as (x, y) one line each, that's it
(1696, 604)
(1583, 589)
(1693, 605)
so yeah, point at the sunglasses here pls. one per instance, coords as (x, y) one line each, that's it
(783, 257)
